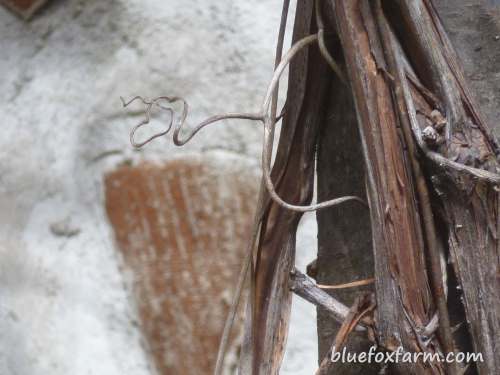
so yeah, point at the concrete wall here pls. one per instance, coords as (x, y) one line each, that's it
(65, 305)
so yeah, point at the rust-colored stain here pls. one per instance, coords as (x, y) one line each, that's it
(25, 8)
(182, 229)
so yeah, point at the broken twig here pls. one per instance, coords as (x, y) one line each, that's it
(306, 288)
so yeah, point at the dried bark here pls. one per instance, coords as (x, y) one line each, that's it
(469, 203)
(394, 102)
(293, 175)
(362, 306)
(419, 129)
(431, 181)
(401, 277)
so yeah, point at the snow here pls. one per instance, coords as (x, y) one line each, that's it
(65, 307)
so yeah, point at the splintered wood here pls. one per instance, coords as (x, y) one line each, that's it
(412, 105)
(402, 285)
(181, 228)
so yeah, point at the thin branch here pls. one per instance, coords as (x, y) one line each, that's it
(322, 45)
(147, 112)
(258, 215)
(352, 284)
(262, 116)
(306, 288)
(361, 307)
(178, 127)
(269, 128)
(297, 47)
(448, 94)
(269, 121)
(233, 309)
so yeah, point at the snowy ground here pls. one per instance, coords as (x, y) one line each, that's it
(64, 307)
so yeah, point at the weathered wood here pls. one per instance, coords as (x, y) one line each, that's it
(293, 176)
(433, 80)
(473, 28)
(304, 287)
(362, 305)
(434, 247)
(470, 204)
(401, 276)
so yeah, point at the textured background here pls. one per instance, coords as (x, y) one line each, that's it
(65, 306)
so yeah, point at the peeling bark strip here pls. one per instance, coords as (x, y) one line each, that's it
(419, 129)
(293, 174)
(401, 277)
(470, 204)
(421, 90)
(181, 228)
